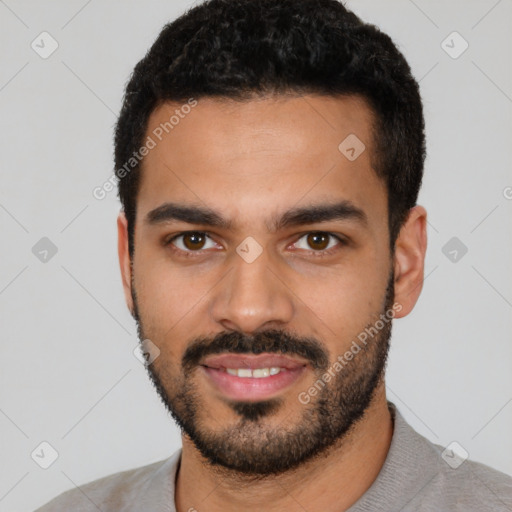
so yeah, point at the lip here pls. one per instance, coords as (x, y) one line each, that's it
(251, 389)
(223, 361)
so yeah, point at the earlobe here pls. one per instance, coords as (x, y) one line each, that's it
(409, 260)
(124, 259)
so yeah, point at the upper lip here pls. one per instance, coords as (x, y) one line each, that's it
(252, 361)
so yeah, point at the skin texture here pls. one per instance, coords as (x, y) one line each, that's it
(251, 162)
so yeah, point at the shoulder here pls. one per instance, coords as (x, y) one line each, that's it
(473, 486)
(460, 484)
(420, 475)
(118, 491)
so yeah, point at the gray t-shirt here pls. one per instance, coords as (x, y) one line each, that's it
(414, 478)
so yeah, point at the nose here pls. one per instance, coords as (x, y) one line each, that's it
(252, 297)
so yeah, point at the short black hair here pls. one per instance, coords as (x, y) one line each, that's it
(239, 49)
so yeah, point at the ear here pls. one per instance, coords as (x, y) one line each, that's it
(124, 259)
(409, 260)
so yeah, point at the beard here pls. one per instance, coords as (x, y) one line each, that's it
(252, 447)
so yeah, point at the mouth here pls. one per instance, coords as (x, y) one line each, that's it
(252, 377)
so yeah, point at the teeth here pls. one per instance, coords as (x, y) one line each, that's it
(261, 372)
(257, 373)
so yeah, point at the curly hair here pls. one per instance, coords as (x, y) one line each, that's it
(239, 49)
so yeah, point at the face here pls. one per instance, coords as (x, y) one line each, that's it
(261, 260)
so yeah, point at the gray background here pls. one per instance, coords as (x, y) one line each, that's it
(68, 374)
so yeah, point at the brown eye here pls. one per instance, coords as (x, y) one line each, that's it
(193, 240)
(318, 241)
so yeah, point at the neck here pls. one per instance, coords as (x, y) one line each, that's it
(333, 482)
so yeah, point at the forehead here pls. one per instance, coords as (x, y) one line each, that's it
(242, 157)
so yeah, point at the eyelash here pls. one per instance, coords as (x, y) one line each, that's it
(199, 252)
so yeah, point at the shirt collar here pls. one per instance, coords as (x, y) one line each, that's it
(410, 465)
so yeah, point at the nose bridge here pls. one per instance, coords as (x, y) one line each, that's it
(252, 296)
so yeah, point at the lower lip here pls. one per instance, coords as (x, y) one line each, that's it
(251, 388)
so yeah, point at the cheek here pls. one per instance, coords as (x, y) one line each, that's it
(342, 303)
(169, 296)
(344, 299)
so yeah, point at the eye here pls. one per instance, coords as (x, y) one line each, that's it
(319, 241)
(191, 241)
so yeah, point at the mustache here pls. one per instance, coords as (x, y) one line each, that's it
(271, 341)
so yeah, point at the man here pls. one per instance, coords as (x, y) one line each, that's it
(269, 156)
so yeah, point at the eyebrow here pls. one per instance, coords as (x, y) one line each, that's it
(311, 214)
